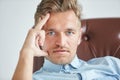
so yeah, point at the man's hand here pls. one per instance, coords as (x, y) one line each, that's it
(35, 39)
(31, 48)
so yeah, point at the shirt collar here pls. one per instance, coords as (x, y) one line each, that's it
(51, 67)
(75, 62)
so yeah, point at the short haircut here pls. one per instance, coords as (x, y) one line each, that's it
(54, 6)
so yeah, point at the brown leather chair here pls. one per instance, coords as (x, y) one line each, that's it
(100, 37)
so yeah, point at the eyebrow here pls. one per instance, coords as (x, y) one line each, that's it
(69, 29)
(49, 30)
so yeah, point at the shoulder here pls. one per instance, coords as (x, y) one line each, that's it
(105, 60)
(112, 63)
(113, 60)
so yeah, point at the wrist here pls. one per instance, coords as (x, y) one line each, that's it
(26, 54)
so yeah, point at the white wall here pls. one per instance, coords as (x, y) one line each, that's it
(100, 8)
(17, 16)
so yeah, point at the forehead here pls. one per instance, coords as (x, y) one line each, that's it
(62, 19)
(68, 15)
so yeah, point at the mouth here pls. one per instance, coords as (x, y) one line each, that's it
(60, 51)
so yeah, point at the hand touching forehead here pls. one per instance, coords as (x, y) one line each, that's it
(41, 22)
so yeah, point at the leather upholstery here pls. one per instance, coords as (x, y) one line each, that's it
(100, 37)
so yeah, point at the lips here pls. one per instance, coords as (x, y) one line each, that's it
(60, 51)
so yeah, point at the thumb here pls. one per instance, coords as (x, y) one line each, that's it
(40, 53)
(41, 38)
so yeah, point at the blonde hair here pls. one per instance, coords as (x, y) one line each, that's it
(54, 6)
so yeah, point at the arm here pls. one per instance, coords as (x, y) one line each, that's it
(34, 39)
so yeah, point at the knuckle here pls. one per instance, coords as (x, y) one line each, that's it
(30, 31)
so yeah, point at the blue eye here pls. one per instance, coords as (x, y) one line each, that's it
(51, 33)
(69, 33)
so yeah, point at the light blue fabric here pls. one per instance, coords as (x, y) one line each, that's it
(103, 68)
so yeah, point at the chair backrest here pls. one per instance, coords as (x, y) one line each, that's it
(100, 37)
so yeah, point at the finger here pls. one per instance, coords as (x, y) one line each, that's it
(42, 21)
(40, 53)
(42, 37)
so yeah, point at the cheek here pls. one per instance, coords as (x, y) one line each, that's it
(73, 46)
(74, 42)
(48, 44)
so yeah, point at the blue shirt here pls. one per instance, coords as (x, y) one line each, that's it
(103, 68)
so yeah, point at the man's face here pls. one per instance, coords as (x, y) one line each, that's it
(62, 37)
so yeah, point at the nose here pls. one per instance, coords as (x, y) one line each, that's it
(60, 40)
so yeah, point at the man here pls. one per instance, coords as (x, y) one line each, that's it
(56, 35)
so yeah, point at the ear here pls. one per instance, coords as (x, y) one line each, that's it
(79, 37)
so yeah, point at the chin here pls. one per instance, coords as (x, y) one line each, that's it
(61, 61)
